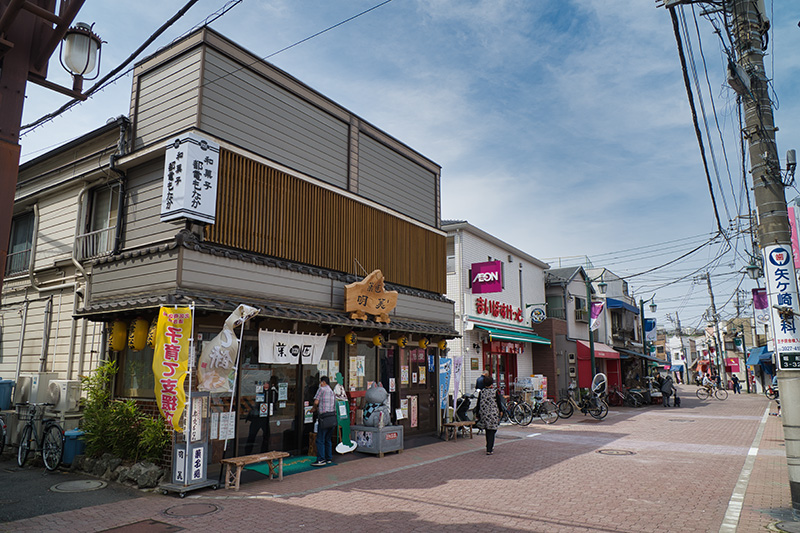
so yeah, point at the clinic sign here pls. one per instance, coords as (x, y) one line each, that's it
(486, 277)
(784, 309)
(190, 179)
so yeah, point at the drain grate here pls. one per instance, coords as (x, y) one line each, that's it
(192, 509)
(681, 420)
(616, 452)
(84, 485)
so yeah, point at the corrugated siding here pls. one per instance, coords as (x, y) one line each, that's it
(246, 109)
(386, 177)
(268, 212)
(136, 275)
(167, 99)
(143, 225)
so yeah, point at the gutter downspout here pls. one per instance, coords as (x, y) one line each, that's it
(48, 316)
(26, 303)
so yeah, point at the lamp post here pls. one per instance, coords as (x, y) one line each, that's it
(30, 35)
(653, 308)
(603, 286)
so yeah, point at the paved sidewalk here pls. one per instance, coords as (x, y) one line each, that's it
(639, 470)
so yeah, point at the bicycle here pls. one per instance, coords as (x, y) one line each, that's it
(704, 393)
(771, 392)
(523, 412)
(51, 441)
(592, 405)
(629, 398)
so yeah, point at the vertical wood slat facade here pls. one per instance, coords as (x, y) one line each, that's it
(265, 211)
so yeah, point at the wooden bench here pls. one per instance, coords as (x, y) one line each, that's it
(232, 477)
(452, 428)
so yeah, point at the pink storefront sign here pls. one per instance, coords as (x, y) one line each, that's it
(487, 277)
(732, 363)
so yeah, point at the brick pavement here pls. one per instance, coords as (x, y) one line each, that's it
(663, 469)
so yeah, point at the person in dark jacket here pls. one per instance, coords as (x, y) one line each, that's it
(489, 409)
(481, 382)
(667, 390)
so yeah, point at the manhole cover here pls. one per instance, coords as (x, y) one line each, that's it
(192, 509)
(789, 527)
(616, 452)
(680, 420)
(83, 485)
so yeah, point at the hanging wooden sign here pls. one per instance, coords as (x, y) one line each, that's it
(369, 297)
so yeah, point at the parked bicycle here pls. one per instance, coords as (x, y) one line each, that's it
(617, 397)
(50, 443)
(589, 404)
(523, 412)
(771, 392)
(705, 392)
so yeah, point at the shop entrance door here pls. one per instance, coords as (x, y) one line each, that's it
(503, 367)
(417, 390)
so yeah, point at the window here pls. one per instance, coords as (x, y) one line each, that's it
(135, 377)
(555, 307)
(100, 225)
(19, 247)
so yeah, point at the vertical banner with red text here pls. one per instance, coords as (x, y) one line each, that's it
(171, 361)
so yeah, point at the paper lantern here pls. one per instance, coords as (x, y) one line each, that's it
(151, 333)
(351, 338)
(117, 335)
(423, 343)
(137, 334)
(378, 340)
(402, 341)
(442, 345)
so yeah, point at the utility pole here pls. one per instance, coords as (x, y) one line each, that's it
(717, 339)
(686, 355)
(749, 26)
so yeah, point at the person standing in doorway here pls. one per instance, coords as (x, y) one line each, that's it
(481, 382)
(489, 409)
(325, 405)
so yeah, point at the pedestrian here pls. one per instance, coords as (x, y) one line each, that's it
(737, 387)
(667, 389)
(481, 382)
(325, 405)
(489, 409)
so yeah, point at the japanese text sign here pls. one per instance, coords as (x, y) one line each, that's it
(784, 309)
(369, 297)
(277, 347)
(487, 277)
(171, 361)
(216, 369)
(190, 179)
(498, 310)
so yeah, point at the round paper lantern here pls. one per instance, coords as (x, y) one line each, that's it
(137, 334)
(442, 345)
(402, 341)
(117, 335)
(423, 343)
(151, 333)
(377, 340)
(350, 338)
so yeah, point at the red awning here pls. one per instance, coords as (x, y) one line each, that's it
(601, 350)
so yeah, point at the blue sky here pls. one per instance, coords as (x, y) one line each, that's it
(562, 127)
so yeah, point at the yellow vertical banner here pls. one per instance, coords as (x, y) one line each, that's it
(171, 361)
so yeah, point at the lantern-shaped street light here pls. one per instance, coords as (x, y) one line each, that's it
(80, 53)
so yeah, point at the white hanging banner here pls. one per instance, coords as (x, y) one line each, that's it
(190, 179)
(278, 347)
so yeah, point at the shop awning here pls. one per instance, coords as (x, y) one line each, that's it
(496, 334)
(613, 303)
(628, 353)
(759, 354)
(601, 350)
(676, 368)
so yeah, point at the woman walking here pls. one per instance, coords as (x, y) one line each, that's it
(489, 409)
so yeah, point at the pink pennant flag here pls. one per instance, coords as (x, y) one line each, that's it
(597, 308)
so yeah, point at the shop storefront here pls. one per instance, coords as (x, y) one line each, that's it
(607, 362)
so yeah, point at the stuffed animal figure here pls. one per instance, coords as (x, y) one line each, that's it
(376, 408)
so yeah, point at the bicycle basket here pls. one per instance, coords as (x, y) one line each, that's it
(24, 413)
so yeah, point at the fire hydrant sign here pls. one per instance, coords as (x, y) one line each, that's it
(171, 361)
(784, 308)
(190, 179)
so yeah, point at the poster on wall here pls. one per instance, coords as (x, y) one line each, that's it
(458, 361)
(392, 386)
(333, 369)
(214, 426)
(322, 367)
(360, 361)
(283, 391)
(413, 411)
(422, 374)
(404, 375)
(413, 377)
(404, 407)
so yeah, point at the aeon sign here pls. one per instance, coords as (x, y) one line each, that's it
(487, 277)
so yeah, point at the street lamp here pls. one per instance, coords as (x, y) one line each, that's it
(80, 52)
(653, 308)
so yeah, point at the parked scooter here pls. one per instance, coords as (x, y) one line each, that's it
(465, 412)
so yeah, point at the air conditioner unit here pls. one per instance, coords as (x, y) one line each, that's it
(33, 387)
(64, 394)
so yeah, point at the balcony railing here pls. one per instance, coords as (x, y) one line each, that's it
(557, 313)
(581, 315)
(95, 244)
(18, 262)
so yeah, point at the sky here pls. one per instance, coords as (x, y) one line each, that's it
(562, 127)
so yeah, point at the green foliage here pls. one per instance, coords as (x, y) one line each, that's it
(118, 426)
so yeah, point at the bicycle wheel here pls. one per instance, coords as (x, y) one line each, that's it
(509, 414)
(770, 393)
(52, 447)
(702, 393)
(634, 399)
(599, 410)
(24, 446)
(565, 408)
(548, 412)
(721, 394)
(523, 414)
(614, 399)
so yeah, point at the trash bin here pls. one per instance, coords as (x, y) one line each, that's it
(5, 393)
(73, 445)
